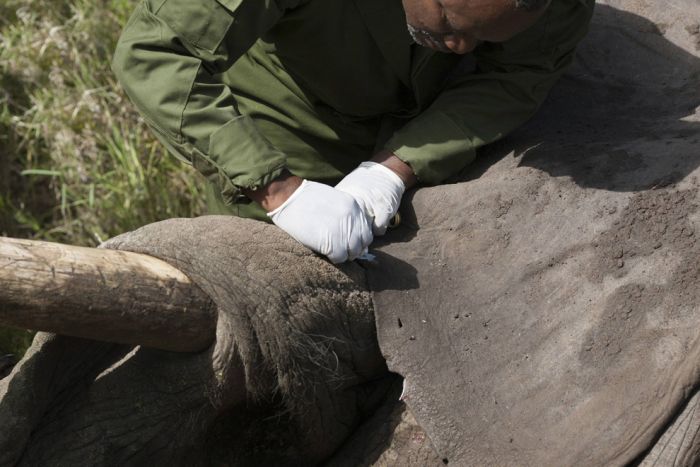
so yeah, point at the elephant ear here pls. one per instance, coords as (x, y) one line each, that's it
(52, 367)
(545, 310)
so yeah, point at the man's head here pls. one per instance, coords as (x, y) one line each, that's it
(459, 25)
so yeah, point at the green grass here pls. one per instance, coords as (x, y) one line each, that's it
(77, 164)
(15, 341)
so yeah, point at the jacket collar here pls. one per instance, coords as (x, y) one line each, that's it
(386, 22)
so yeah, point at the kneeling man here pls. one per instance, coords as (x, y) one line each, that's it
(319, 114)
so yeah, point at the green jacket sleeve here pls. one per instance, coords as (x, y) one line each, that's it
(167, 60)
(509, 84)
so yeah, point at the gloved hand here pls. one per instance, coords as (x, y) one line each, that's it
(327, 221)
(378, 190)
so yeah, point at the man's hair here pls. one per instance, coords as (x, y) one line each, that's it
(531, 5)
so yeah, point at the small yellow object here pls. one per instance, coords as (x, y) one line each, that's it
(395, 221)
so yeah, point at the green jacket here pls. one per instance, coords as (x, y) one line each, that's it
(244, 88)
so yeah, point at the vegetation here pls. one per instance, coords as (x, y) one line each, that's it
(77, 164)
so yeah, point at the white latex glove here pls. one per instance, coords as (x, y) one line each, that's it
(378, 190)
(325, 220)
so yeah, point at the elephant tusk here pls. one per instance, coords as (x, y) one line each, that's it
(100, 294)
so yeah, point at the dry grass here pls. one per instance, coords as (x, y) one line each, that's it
(77, 164)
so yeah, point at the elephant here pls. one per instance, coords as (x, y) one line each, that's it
(542, 308)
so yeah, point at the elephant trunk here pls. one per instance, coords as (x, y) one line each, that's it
(100, 294)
